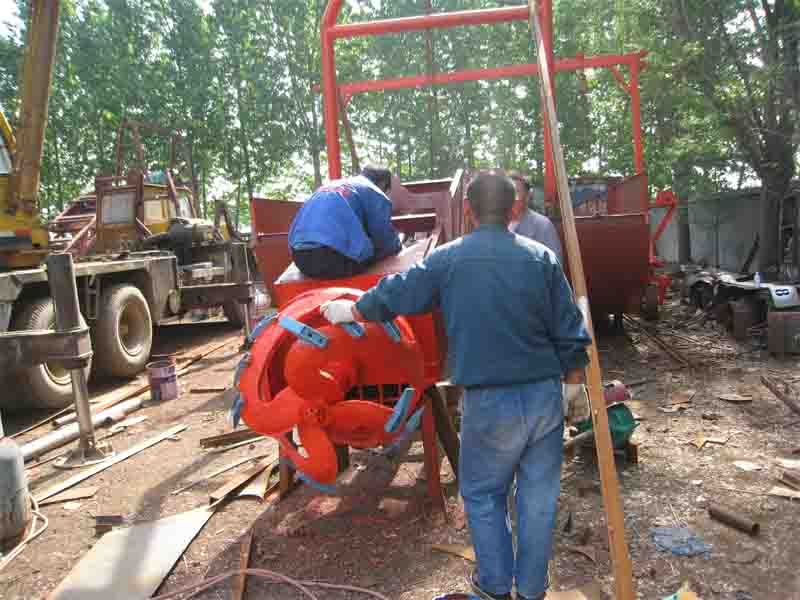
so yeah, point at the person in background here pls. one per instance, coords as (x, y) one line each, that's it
(345, 226)
(513, 329)
(529, 223)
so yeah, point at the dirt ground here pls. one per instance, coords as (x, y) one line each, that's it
(378, 532)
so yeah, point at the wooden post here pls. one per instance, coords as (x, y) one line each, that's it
(615, 520)
(444, 427)
(431, 450)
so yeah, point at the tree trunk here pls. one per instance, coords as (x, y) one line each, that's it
(469, 150)
(59, 182)
(243, 141)
(238, 205)
(771, 194)
(682, 187)
(313, 139)
(398, 147)
(193, 175)
(205, 191)
(684, 232)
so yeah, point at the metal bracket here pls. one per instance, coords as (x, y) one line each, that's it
(392, 329)
(354, 329)
(71, 348)
(304, 332)
(400, 411)
(92, 290)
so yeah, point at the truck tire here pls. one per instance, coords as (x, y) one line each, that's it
(234, 312)
(43, 386)
(650, 304)
(123, 334)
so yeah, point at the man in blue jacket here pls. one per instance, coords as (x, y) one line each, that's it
(345, 226)
(513, 330)
(528, 222)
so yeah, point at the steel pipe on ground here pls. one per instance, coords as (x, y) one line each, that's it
(71, 432)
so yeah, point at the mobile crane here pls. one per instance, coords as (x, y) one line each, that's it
(130, 279)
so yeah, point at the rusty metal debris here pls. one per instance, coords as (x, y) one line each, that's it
(734, 519)
(652, 336)
(781, 391)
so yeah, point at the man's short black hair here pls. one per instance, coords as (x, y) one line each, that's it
(518, 176)
(380, 176)
(491, 197)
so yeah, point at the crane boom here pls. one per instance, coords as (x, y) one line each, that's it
(36, 76)
(23, 238)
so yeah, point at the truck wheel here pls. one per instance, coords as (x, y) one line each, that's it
(650, 303)
(234, 312)
(123, 334)
(44, 386)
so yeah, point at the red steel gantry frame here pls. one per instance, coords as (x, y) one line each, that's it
(330, 31)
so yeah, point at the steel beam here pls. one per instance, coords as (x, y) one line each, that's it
(459, 18)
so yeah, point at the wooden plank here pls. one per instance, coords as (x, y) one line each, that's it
(219, 471)
(615, 519)
(240, 580)
(57, 488)
(234, 484)
(231, 437)
(255, 440)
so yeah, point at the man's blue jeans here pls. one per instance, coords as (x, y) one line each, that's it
(508, 431)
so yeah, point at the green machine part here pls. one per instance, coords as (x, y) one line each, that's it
(620, 421)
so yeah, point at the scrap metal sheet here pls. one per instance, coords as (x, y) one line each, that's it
(131, 563)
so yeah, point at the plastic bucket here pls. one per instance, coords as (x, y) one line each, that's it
(163, 380)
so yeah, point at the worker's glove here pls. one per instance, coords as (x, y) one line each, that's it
(338, 311)
(575, 401)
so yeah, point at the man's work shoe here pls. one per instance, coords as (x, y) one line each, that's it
(483, 594)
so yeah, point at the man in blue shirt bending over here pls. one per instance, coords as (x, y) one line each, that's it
(513, 330)
(345, 226)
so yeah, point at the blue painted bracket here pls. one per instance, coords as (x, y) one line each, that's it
(236, 410)
(354, 329)
(304, 332)
(392, 329)
(400, 411)
(327, 489)
(412, 425)
(259, 329)
(243, 364)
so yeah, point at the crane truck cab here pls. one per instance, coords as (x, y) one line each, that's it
(23, 239)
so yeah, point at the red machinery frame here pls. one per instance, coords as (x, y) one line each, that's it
(331, 31)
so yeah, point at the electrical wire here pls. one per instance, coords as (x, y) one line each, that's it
(33, 533)
(303, 586)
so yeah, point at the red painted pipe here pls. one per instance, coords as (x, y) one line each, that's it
(329, 97)
(504, 72)
(437, 21)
